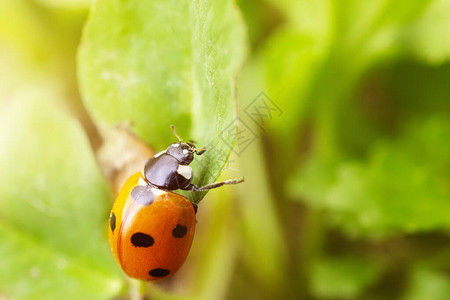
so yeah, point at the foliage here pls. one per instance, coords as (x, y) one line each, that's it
(53, 205)
(153, 73)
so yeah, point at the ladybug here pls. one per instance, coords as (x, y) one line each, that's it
(151, 228)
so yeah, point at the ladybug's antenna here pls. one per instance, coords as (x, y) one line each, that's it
(173, 130)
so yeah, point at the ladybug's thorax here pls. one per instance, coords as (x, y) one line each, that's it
(170, 170)
(182, 152)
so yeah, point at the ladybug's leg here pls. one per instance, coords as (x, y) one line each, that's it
(193, 187)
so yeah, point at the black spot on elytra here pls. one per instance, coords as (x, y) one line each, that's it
(179, 231)
(112, 221)
(143, 195)
(140, 239)
(159, 272)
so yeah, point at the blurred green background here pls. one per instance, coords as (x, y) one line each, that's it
(343, 137)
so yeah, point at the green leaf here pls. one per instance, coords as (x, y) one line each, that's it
(310, 17)
(342, 278)
(67, 4)
(33, 270)
(54, 205)
(314, 61)
(262, 229)
(428, 37)
(419, 89)
(156, 63)
(426, 283)
(290, 62)
(401, 185)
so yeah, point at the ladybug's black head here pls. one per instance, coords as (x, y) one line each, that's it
(183, 152)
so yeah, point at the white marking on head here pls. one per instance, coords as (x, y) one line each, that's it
(185, 151)
(176, 145)
(185, 171)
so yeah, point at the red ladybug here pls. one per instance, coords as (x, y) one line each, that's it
(151, 228)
